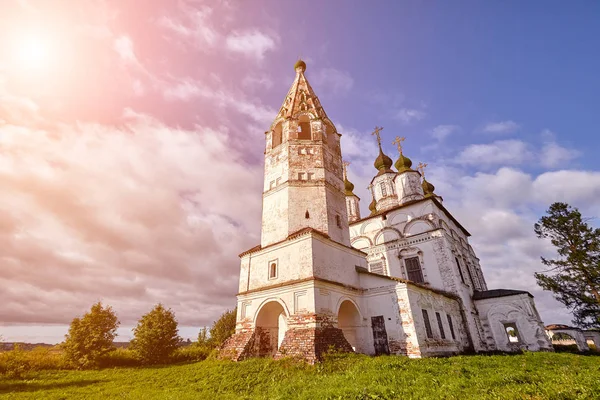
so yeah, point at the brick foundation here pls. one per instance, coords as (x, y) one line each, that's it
(305, 343)
(311, 343)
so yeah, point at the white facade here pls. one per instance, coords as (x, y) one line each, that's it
(403, 280)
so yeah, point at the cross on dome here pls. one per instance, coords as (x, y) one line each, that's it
(376, 133)
(398, 142)
(346, 164)
(421, 168)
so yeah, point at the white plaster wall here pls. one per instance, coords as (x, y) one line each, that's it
(335, 262)
(408, 186)
(433, 302)
(518, 309)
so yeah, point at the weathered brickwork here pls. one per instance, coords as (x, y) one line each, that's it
(311, 344)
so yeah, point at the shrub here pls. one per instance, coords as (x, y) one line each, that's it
(91, 336)
(119, 358)
(223, 328)
(156, 336)
(191, 354)
(14, 363)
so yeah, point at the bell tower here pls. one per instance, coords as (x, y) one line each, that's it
(304, 185)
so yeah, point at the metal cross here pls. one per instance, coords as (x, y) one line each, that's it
(346, 164)
(398, 142)
(421, 169)
(376, 133)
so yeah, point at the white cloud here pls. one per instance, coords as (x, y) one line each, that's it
(501, 127)
(253, 44)
(408, 115)
(499, 209)
(130, 216)
(554, 155)
(188, 89)
(253, 82)
(195, 26)
(124, 47)
(501, 152)
(334, 80)
(441, 132)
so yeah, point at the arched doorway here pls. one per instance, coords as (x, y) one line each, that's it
(349, 322)
(270, 327)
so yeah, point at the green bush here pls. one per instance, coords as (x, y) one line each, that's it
(91, 336)
(191, 354)
(565, 348)
(119, 358)
(156, 336)
(17, 363)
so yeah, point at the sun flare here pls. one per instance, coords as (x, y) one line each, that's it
(32, 52)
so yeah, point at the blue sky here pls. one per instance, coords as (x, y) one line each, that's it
(132, 136)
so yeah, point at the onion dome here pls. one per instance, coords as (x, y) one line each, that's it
(348, 187)
(428, 188)
(403, 163)
(300, 64)
(382, 162)
(373, 207)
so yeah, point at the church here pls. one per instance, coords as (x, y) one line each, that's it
(402, 280)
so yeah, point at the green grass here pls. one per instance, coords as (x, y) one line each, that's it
(527, 376)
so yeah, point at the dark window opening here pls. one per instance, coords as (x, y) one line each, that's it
(304, 132)
(440, 325)
(306, 215)
(273, 271)
(383, 189)
(427, 324)
(451, 327)
(277, 135)
(413, 270)
(338, 221)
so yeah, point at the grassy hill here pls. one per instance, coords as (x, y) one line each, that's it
(527, 376)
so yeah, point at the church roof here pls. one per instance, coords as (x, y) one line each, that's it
(362, 270)
(553, 327)
(301, 97)
(296, 235)
(409, 203)
(491, 294)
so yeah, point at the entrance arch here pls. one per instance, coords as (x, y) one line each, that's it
(349, 321)
(271, 325)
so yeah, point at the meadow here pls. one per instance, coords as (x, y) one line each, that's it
(523, 376)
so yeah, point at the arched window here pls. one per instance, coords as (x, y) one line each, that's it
(277, 135)
(304, 132)
(273, 269)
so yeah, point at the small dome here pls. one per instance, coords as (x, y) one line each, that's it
(428, 188)
(349, 187)
(403, 163)
(300, 64)
(383, 162)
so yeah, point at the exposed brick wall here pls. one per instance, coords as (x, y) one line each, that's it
(311, 343)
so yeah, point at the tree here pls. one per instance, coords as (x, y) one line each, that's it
(91, 336)
(156, 336)
(573, 277)
(222, 328)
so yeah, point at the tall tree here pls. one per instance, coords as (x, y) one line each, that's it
(91, 336)
(220, 330)
(156, 336)
(573, 277)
